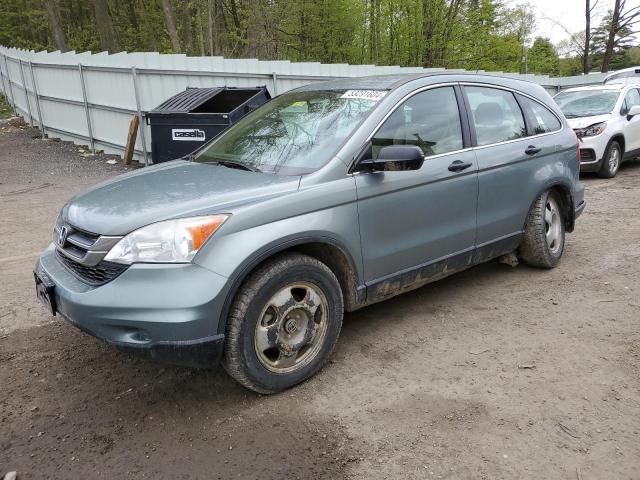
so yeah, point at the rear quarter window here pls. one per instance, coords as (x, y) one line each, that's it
(541, 118)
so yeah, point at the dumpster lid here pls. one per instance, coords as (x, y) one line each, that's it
(208, 100)
(186, 101)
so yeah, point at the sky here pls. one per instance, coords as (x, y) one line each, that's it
(569, 13)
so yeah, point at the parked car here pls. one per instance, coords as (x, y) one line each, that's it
(606, 119)
(328, 198)
(625, 75)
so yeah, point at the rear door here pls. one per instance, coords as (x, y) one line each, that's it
(509, 153)
(410, 219)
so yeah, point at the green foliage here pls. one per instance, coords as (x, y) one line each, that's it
(570, 66)
(633, 56)
(5, 109)
(543, 57)
(469, 34)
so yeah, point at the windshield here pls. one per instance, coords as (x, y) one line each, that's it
(294, 134)
(587, 103)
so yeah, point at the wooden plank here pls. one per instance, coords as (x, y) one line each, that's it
(131, 139)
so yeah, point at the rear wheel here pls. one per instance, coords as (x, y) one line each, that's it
(543, 242)
(283, 324)
(611, 161)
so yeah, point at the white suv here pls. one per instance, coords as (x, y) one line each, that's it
(606, 119)
(628, 75)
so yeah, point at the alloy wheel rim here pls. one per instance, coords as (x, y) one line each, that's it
(614, 160)
(553, 225)
(291, 328)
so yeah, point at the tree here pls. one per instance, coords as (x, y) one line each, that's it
(210, 25)
(621, 22)
(471, 34)
(543, 57)
(622, 41)
(518, 24)
(589, 8)
(171, 26)
(53, 14)
(104, 26)
(187, 27)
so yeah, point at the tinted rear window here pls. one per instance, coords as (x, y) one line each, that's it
(496, 115)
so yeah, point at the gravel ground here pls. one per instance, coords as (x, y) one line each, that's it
(494, 373)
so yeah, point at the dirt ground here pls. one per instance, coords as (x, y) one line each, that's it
(494, 373)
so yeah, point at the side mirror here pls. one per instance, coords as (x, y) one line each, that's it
(394, 158)
(633, 111)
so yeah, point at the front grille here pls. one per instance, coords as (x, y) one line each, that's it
(82, 253)
(587, 155)
(100, 274)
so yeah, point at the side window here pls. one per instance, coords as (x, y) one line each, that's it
(429, 119)
(632, 98)
(543, 120)
(496, 115)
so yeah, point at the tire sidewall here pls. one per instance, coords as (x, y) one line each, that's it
(554, 258)
(254, 369)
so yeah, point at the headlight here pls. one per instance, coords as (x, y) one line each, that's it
(172, 241)
(592, 130)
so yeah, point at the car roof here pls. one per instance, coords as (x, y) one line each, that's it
(624, 70)
(611, 86)
(392, 81)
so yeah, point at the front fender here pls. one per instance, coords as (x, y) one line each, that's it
(235, 254)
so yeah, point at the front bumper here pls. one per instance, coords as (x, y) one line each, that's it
(171, 312)
(592, 152)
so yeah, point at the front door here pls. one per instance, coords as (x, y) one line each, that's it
(411, 219)
(632, 127)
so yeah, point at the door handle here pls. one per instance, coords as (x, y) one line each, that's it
(531, 150)
(459, 166)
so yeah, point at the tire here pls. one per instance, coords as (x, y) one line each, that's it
(544, 233)
(292, 306)
(611, 160)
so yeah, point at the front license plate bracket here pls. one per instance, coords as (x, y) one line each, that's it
(44, 292)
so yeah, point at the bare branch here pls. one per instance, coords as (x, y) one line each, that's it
(577, 42)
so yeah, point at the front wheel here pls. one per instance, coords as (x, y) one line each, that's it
(284, 323)
(611, 161)
(543, 242)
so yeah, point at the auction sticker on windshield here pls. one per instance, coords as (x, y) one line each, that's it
(373, 95)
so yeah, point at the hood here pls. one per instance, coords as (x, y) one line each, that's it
(170, 190)
(584, 122)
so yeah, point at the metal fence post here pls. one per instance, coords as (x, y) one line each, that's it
(86, 108)
(141, 128)
(26, 92)
(4, 87)
(274, 76)
(35, 93)
(13, 100)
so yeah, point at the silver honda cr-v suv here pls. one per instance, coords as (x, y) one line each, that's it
(328, 198)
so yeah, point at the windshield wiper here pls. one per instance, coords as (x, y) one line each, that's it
(571, 115)
(234, 164)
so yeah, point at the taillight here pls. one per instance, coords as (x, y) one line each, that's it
(578, 139)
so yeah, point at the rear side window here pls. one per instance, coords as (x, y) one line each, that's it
(429, 119)
(496, 115)
(631, 98)
(543, 121)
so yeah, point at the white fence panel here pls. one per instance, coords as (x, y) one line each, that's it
(90, 98)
